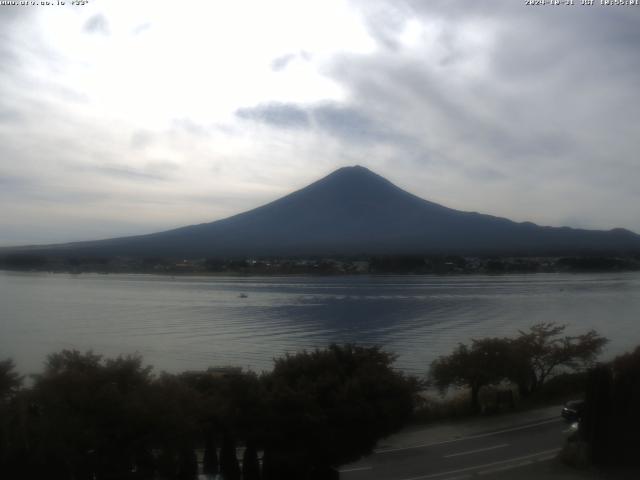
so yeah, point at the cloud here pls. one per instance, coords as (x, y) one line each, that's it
(352, 125)
(14, 184)
(127, 173)
(141, 139)
(284, 115)
(385, 22)
(341, 121)
(494, 112)
(12, 19)
(278, 64)
(528, 113)
(143, 27)
(12, 187)
(281, 63)
(191, 127)
(97, 24)
(14, 13)
(9, 115)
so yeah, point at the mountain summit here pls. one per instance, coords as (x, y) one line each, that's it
(355, 211)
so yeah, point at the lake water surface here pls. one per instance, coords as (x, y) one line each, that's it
(194, 322)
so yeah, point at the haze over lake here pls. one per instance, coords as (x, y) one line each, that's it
(194, 322)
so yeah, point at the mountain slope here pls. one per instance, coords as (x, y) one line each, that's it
(355, 211)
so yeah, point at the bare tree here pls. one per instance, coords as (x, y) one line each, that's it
(543, 350)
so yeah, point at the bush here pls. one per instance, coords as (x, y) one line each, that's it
(90, 417)
(432, 408)
(331, 406)
(563, 387)
(611, 420)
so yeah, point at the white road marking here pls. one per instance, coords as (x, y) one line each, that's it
(486, 465)
(482, 435)
(354, 469)
(469, 452)
(516, 465)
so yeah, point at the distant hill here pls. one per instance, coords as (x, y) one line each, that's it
(354, 211)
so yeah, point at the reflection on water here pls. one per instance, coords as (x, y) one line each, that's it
(193, 322)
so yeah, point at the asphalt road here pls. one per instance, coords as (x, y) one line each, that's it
(480, 454)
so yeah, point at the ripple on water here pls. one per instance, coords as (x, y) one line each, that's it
(195, 322)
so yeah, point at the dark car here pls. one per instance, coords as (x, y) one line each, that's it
(572, 411)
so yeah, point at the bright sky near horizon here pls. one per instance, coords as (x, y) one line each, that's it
(122, 117)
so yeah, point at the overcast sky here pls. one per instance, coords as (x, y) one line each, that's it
(127, 117)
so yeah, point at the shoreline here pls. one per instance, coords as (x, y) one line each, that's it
(398, 265)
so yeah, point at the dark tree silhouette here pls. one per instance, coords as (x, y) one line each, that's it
(484, 363)
(269, 465)
(528, 360)
(229, 467)
(330, 406)
(250, 462)
(210, 459)
(187, 464)
(596, 421)
(168, 464)
(89, 414)
(540, 352)
(611, 420)
(87, 417)
(10, 380)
